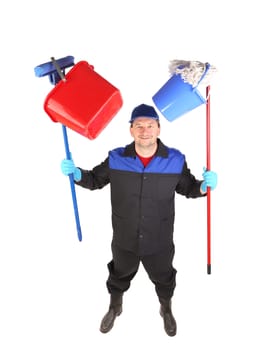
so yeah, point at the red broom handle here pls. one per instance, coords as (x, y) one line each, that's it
(208, 166)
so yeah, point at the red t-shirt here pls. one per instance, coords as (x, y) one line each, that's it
(145, 160)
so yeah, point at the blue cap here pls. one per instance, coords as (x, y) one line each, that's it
(144, 111)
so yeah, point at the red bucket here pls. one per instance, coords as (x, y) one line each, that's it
(85, 102)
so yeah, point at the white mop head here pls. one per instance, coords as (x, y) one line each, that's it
(192, 71)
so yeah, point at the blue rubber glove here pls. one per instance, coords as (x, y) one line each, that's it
(68, 167)
(210, 180)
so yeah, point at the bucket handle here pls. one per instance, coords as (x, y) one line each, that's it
(58, 69)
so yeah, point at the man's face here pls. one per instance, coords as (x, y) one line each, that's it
(145, 131)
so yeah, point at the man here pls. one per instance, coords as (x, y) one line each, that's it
(144, 177)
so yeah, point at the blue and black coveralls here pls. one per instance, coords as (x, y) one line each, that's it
(143, 212)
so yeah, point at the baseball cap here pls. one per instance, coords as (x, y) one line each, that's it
(144, 110)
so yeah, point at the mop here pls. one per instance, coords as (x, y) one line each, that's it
(81, 100)
(180, 95)
(192, 72)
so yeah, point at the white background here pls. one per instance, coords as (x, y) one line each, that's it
(53, 292)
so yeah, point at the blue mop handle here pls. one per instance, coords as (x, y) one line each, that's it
(55, 71)
(72, 184)
(68, 156)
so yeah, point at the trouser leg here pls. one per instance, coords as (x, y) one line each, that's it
(122, 268)
(162, 273)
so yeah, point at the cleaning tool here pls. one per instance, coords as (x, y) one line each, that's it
(81, 100)
(180, 95)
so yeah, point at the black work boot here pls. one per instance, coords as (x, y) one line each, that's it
(169, 320)
(115, 309)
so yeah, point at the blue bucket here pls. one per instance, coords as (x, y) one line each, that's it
(176, 97)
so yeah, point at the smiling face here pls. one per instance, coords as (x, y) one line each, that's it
(145, 132)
